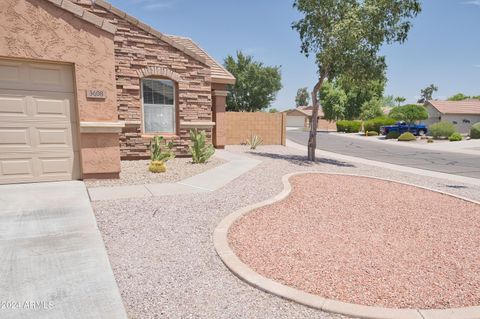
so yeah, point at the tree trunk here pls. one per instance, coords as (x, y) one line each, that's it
(312, 140)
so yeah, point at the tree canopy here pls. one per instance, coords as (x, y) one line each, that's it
(256, 86)
(409, 113)
(427, 93)
(461, 97)
(333, 102)
(345, 37)
(399, 100)
(303, 97)
(372, 109)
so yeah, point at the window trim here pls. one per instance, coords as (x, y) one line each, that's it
(175, 108)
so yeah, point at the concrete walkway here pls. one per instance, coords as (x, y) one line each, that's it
(53, 262)
(208, 181)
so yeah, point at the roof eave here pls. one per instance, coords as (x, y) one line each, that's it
(222, 80)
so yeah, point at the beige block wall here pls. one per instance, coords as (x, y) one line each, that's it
(271, 127)
(38, 30)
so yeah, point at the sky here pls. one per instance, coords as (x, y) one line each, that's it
(443, 48)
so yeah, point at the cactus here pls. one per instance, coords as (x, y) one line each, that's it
(199, 149)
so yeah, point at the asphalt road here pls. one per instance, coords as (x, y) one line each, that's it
(433, 160)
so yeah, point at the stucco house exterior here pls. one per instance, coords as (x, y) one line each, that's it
(301, 116)
(83, 84)
(463, 114)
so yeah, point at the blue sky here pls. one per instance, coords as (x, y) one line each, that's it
(443, 47)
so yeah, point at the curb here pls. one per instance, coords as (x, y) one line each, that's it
(247, 274)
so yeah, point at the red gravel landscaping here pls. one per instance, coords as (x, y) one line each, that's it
(366, 241)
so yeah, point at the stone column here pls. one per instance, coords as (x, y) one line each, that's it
(219, 98)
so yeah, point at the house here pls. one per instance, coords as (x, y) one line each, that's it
(83, 84)
(463, 114)
(301, 117)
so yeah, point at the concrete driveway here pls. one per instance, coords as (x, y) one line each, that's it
(461, 164)
(53, 262)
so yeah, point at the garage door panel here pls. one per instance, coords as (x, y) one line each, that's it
(55, 165)
(14, 167)
(52, 107)
(13, 105)
(54, 137)
(14, 137)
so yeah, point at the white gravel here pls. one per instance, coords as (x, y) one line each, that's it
(137, 173)
(162, 254)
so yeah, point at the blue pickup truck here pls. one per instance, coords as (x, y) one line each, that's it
(402, 127)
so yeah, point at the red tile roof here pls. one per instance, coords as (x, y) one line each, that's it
(457, 107)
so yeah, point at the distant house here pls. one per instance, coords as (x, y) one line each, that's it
(302, 116)
(463, 114)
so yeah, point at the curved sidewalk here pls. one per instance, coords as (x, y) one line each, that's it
(208, 181)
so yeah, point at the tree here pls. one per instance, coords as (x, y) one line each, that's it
(359, 92)
(302, 98)
(399, 100)
(372, 109)
(333, 100)
(256, 86)
(409, 113)
(427, 93)
(345, 36)
(388, 101)
(273, 110)
(458, 97)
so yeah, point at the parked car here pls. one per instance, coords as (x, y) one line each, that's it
(402, 127)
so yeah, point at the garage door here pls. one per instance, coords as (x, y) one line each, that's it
(37, 121)
(295, 121)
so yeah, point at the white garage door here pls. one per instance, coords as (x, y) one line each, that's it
(295, 121)
(37, 115)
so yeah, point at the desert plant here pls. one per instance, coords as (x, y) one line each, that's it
(371, 133)
(254, 141)
(455, 137)
(442, 129)
(475, 131)
(374, 124)
(160, 151)
(157, 167)
(200, 150)
(349, 126)
(407, 137)
(393, 135)
(430, 140)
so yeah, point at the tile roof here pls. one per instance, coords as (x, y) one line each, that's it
(85, 15)
(219, 73)
(457, 107)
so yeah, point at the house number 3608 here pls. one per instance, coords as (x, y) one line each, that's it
(96, 94)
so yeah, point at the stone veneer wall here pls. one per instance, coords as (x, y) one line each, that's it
(137, 51)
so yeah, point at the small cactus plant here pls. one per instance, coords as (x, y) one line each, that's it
(254, 141)
(200, 150)
(159, 155)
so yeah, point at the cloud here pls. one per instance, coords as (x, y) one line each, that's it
(473, 2)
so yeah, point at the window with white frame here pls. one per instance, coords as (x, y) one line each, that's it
(158, 106)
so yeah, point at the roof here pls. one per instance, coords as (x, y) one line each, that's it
(457, 107)
(305, 110)
(219, 73)
(85, 15)
(145, 27)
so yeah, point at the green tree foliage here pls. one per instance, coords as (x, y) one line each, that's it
(409, 113)
(389, 101)
(333, 102)
(359, 92)
(302, 98)
(399, 100)
(459, 97)
(345, 37)
(256, 86)
(427, 93)
(273, 110)
(372, 109)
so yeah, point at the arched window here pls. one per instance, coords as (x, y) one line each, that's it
(159, 115)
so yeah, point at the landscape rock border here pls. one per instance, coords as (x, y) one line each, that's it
(244, 272)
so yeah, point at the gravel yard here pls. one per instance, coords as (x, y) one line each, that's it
(162, 254)
(137, 173)
(366, 241)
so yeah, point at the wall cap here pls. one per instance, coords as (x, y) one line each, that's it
(101, 127)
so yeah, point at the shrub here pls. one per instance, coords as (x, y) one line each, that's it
(406, 137)
(201, 151)
(349, 126)
(374, 125)
(157, 167)
(455, 137)
(254, 141)
(430, 140)
(442, 129)
(371, 133)
(160, 151)
(475, 131)
(392, 135)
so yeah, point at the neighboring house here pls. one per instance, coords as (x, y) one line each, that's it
(463, 114)
(302, 115)
(83, 84)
